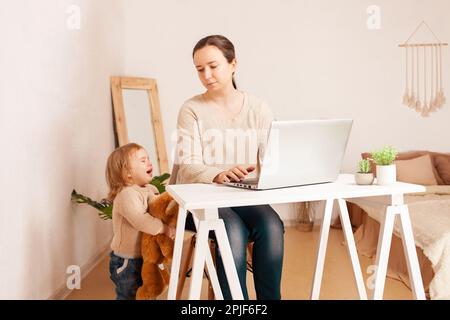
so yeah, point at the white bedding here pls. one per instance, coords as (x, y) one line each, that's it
(430, 218)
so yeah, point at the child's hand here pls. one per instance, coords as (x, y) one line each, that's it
(169, 231)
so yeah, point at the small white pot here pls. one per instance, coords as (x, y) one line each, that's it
(364, 178)
(386, 174)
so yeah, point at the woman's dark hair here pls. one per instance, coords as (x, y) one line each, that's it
(221, 43)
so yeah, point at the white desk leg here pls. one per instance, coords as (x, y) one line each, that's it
(176, 260)
(213, 276)
(212, 214)
(322, 249)
(201, 246)
(228, 261)
(209, 221)
(348, 232)
(384, 246)
(409, 247)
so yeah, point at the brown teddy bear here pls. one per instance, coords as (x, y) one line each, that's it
(157, 250)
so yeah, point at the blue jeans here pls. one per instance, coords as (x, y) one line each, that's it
(263, 226)
(126, 275)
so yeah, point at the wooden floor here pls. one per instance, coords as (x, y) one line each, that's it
(298, 267)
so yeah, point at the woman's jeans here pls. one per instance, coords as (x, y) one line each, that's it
(126, 275)
(263, 226)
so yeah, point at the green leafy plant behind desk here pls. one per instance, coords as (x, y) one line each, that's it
(104, 207)
(385, 156)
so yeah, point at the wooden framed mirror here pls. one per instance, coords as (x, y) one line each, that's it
(138, 118)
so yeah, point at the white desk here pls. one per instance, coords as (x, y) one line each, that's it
(203, 200)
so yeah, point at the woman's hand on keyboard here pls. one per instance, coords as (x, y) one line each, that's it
(235, 174)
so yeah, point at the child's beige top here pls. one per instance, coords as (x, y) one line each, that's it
(210, 142)
(130, 218)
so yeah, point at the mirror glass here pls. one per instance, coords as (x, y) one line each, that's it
(136, 104)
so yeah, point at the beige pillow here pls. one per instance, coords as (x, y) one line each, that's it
(418, 170)
(443, 166)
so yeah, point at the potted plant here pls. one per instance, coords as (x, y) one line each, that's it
(104, 207)
(364, 176)
(386, 170)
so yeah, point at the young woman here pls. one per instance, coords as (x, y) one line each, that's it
(209, 125)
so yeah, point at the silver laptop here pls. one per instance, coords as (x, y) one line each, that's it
(300, 153)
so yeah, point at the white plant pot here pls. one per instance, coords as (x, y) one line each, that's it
(386, 174)
(364, 178)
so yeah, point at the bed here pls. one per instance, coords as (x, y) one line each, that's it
(430, 218)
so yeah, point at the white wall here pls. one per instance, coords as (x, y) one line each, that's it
(56, 129)
(308, 59)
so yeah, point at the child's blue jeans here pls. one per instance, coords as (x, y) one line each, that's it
(126, 275)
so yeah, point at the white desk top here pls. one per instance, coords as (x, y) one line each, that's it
(204, 196)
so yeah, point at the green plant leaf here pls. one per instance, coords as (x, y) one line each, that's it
(385, 156)
(364, 166)
(104, 207)
(158, 182)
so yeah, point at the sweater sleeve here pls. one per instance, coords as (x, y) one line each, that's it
(190, 154)
(133, 208)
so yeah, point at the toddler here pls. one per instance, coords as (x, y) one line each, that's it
(128, 174)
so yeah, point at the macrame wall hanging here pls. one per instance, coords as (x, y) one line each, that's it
(424, 90)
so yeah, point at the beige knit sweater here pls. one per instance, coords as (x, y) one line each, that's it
(209, 142)
(130, 219)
